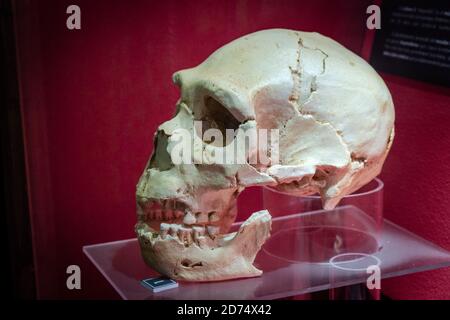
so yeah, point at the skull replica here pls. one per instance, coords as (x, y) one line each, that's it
(335, 119)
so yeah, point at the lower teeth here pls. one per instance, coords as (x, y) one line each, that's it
(186, 235)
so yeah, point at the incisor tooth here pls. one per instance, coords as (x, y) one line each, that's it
(152, 206)
(164, 226)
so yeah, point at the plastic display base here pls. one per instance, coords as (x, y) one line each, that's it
(307, 252)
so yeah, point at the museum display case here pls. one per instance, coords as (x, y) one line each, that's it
(97, 95)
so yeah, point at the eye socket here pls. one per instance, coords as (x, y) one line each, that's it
(215, 115)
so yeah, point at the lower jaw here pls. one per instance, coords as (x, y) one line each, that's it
(192, 255)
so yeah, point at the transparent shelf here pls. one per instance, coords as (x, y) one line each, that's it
(307, 252)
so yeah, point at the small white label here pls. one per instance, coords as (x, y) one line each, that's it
(159, 284)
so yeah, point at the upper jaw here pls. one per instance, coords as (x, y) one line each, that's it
(173, 217)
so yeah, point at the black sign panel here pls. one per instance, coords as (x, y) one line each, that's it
(414, 40)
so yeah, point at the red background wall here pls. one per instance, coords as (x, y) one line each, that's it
(93, 98)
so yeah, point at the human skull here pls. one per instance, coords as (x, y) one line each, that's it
(335, 120)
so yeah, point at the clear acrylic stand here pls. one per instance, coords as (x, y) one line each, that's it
(307, 252)
(334, 237)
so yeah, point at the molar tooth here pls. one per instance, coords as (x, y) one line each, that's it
(184, 234)
(198, 231)
(213, 216)
(213, 231)
(201, 217)
(173, 231)
(189, 218)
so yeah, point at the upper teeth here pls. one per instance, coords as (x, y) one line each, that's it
(178, 213)
(166, 211)
(213, 217)
(192, 227)
(158, 214)
(189, 218)
(201, 217)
